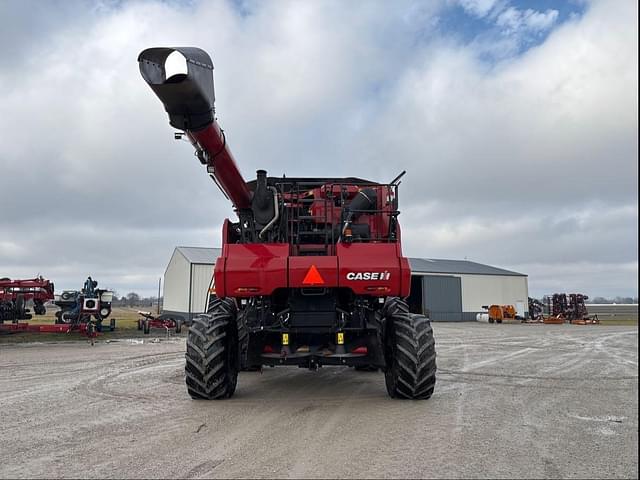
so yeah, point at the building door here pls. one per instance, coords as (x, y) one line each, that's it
(416, 299)
(442, 298)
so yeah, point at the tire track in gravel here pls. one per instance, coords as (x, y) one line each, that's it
(99, 385)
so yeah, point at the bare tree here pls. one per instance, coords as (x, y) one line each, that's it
(133, 299)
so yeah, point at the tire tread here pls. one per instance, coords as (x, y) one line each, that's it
(412, 373)
(208, 373)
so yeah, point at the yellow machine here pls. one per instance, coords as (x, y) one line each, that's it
(497, 313)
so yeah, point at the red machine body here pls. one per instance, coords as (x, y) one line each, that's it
(32, 289)
(365, 269)
(149, 321)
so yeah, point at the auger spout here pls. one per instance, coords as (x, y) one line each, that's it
(182, 78)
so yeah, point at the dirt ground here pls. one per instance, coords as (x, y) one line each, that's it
(512, 401)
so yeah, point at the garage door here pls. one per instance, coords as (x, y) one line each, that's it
(443, 298)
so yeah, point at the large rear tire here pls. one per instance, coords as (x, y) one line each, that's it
(213, 357)
(243, 334)
(410, 354)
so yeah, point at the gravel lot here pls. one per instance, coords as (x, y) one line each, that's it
(512, 401)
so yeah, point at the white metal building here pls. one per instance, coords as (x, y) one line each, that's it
(456, 290)
(450, 290)
(187, 279)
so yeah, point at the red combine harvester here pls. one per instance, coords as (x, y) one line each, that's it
(14, 295)
(311, 273)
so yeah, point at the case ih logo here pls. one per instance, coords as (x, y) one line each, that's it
(368, 275)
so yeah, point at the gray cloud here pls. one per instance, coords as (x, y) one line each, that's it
(528, 163)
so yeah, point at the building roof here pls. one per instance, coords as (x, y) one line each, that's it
(438, 265)
(201, 255)
(208, 256)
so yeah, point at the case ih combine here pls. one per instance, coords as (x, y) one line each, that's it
(311, 272)
(14, 295)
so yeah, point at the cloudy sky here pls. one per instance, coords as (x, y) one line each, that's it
(516, 121)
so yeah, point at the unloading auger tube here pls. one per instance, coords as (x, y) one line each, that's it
(182, 79)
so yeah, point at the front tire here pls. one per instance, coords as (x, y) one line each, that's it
(411, 356)
(212, 358)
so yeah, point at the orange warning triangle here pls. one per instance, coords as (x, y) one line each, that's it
(313, 277)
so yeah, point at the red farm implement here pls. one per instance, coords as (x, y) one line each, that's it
(149, 321)
(84, 328)
(14, 298)
(14, 295)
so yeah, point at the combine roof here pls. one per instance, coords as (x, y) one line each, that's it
(203, 255)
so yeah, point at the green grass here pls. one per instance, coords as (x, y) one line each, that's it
(619, 321)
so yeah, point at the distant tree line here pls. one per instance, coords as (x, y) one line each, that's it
(613, 300)
(133, 299)
(618, 300)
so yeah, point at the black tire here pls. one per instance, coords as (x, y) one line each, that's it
(491, 320)
(499, 320)
(68, 319)
(243, 336)
(39, 308)
(410, 354)
(213, 356)
(243, 342)
(146, 328)
(21, 311)
(178, 326)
